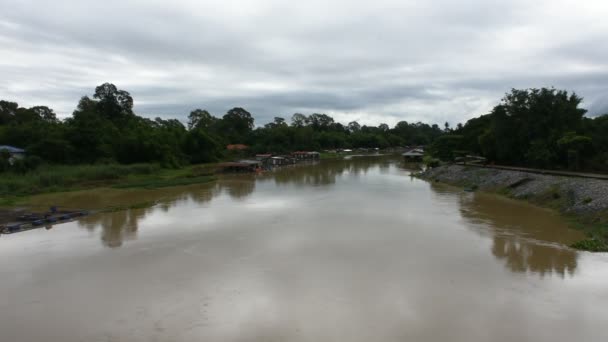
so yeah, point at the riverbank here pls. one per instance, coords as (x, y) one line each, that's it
(583, 201)
(15, 189)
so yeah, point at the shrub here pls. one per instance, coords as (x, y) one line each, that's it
(430, 162)
(32, 162)
(591, 245)
(63, 177)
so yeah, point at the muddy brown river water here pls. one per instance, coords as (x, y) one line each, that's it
(352, 250)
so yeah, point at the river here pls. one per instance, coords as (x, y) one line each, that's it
(353, 250)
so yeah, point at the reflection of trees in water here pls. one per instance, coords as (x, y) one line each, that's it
(384, 165)
(237, 187)
(300, 175)
(521, 233)
(123, 225)
(361, 165)
(522, 256)
(326, 172)
(116, 227)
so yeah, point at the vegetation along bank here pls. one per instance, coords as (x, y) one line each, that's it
(15, 188)
(583, 200)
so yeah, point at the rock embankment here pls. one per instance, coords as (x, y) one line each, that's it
(569, 194)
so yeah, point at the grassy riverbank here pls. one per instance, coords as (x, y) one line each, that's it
(583, 202)
(15, 188)
(329, 155)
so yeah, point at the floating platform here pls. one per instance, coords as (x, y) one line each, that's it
(31, 221)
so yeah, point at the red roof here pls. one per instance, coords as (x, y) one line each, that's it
(233, 147)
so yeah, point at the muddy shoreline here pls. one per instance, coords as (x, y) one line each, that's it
(584, 201)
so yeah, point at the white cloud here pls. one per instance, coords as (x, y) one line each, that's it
(381, 61)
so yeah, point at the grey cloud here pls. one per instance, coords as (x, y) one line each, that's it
(375, 62)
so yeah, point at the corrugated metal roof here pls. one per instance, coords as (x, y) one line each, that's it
(11, 149)
(413, 154)
(249, 162)
(305, 152)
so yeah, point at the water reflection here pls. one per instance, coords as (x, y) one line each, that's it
(121, 226)
(519, 233)
(527, 238)
(340, 251)
(326, 172)
(116, 227)
(237, 187)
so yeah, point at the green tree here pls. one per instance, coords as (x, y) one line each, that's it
(113, 103)
(200, 118)
(201, 147)
(278, 122)
(8, 110)
(45, 114)
(299, 120)
(354, 126)
(5, 157)
(574, 147)
(320, 122)
(237, 124)
(446, 147)
(525, 127)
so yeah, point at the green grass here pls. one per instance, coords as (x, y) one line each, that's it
(326, 155)
(154, 183)
(591, 245)
(141, 205)
(61, 178)
(595, 226)
(15, 188)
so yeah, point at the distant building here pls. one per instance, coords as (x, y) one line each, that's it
(280, 161)
(304, 155)
(241, 166)
(14, 152)
(236, 147)
(415, 154)
(262, 157)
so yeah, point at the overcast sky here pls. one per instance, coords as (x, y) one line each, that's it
(371, 61)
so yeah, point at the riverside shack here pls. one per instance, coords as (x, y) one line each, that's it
(280, 161)
(414, 155)
(241, 166)
(305, 155)
(13, 152)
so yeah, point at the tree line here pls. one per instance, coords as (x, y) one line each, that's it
(534, 127)
(104, 128)
(542, 128)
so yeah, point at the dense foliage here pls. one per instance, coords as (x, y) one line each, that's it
(542, 128)
(534, 127)
(105, 129)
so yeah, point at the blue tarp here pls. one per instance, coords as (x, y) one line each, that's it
(11, 149)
